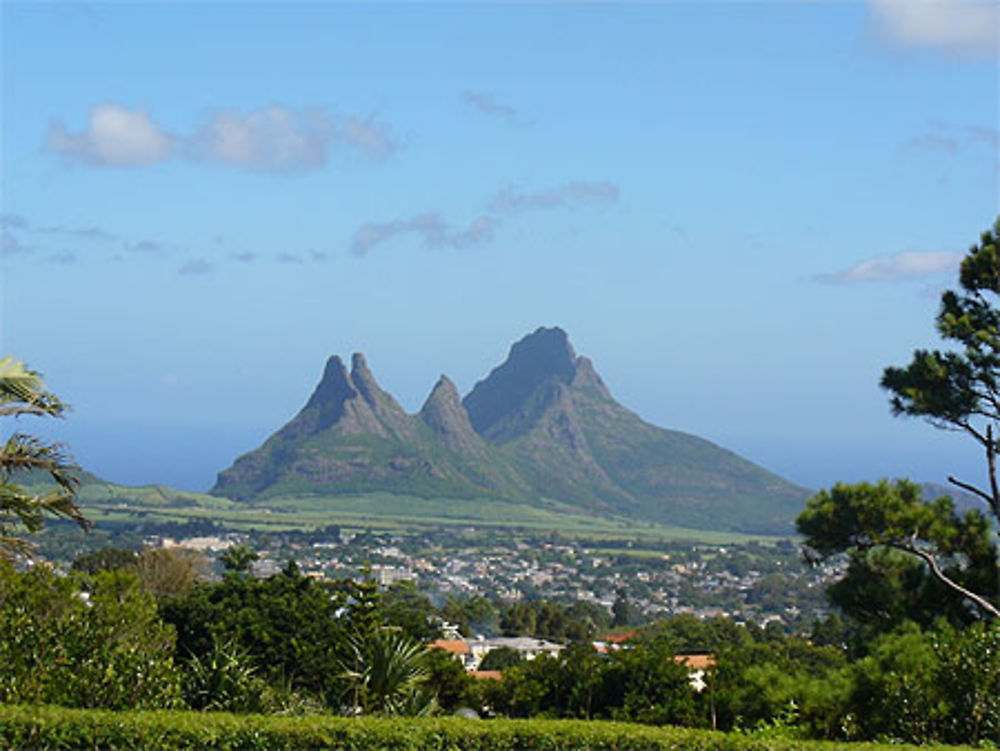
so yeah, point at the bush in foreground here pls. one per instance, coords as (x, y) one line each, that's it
(45, 728)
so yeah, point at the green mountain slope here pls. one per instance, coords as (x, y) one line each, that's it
(542, 427)
(353, 437)
(571, 439)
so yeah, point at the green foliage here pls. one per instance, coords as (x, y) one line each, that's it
(501, 658)
(23, 393)
(105, 559)
(549, 620)
(959, 550)
(48, 728)
(226, 680)
(403, 606)
(446, 676)
(960, 390)
(640, 684)
(288, 625)
(937, 685)
(473, 615)
(623, 614)
(102, 648)
(238, 558)
(386, 672)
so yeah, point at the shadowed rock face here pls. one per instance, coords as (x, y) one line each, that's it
(543, 356)
(444, 414)
(542, 426)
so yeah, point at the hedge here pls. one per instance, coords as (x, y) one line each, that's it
(45, 728)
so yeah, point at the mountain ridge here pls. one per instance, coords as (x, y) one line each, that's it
(540, 426)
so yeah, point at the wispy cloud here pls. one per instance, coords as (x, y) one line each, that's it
(319, 256)
(145, 246)
(286, 257)
(511, 200)
(114, 137)
(245, 257)
(952, 139)
(434, 231)
(910, 264)
(11, 246)
(92, 234)
(486, 104)
(430, 228)
(13, 221)
(933, 142)
(63, 258)
(963, 28)
(196, 267)
(269, 139)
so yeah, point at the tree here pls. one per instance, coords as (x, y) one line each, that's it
(288, 625)
(239, 559)
(101, 647)
(105, 559)
(953, 390)
(170, 572)
(387, 673)
(23, 393)
(862, 519)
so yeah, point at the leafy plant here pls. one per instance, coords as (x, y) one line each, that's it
(23, 393)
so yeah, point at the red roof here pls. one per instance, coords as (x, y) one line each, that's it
(489, 675)
(455, 646)
(619, 638)
(695, 662)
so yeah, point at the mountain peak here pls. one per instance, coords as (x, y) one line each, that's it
(444, 414)
(541, 426)
(335, 387)
(363, 379)
(544, 356)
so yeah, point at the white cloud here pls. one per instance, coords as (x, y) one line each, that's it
(510, 200)
(430, 227)
(279, 139)
(910, 264)
(269, 139)
(274, 138)
(957, 27)
(366, 136)
(114, 137)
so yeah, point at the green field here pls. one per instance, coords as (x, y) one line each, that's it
(107, 504)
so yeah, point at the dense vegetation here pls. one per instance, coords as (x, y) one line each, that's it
(289, 644)
(911, 653)
(41, 729)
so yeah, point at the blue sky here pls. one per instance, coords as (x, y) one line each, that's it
(742, 212)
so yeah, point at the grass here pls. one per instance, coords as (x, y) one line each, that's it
(106, 503)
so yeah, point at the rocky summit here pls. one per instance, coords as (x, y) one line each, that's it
(541, 427)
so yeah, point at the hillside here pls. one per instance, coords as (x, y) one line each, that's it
(542, 427)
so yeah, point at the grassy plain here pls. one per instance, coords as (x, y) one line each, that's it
(106, 503)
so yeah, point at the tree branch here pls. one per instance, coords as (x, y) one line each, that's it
(991, 455)
(944, 579)
(971, 489)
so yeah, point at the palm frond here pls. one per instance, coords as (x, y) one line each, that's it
(22, 391)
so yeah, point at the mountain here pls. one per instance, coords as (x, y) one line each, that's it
(541, 427)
